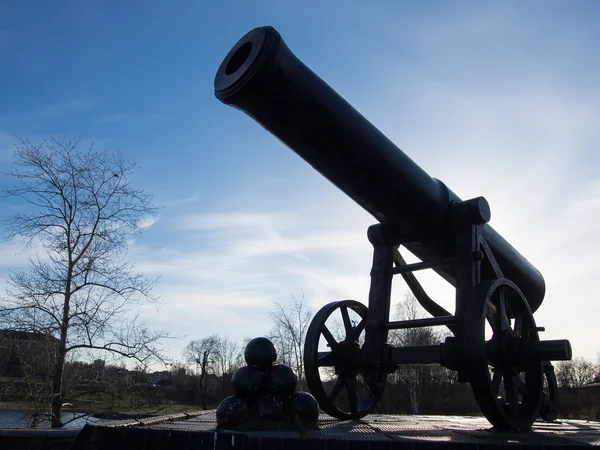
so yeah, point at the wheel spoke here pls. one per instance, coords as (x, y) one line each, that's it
(502, 316)
(512, 395)
(520, 385)
(347, 323)
(337, 388)
(490, 313)
(328, 336)
(351, 391)
(358, 329)
(496, 381)
(372, 385)
(518, 329)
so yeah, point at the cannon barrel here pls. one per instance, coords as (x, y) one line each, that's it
(263, 78)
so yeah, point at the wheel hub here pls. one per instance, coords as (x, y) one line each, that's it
(503, 349)
(346, 356)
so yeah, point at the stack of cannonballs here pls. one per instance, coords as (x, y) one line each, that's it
(265, 394)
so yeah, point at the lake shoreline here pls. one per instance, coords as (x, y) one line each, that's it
(97, 413)
(10, 406)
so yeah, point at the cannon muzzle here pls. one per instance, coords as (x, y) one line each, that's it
(263, 78)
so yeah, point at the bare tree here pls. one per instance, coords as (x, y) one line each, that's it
(204, 353)
(575, 373)
(227, 362)
(80, 210)
(226, 357)
(289, 332)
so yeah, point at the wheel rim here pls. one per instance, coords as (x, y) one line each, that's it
(507, 386)
(344, 388)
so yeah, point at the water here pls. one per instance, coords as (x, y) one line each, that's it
(21, 419)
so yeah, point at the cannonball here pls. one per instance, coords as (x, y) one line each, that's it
(248, 382)
(260, 352)
(305, 407)
(232, 412)
(270, 407)
(281, 380)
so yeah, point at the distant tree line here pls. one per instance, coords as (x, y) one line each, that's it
(416, 389)
(202, 378)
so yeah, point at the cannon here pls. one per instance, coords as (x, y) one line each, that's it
(494, 343)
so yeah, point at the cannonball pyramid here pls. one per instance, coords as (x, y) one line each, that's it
(265, 394)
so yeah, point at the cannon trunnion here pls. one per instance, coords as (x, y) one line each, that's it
(495, 284)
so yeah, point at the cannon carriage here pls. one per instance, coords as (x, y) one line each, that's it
(497, 289)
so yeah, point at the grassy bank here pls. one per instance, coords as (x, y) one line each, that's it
(102, 409)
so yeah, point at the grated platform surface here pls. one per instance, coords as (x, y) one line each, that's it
(198, 431)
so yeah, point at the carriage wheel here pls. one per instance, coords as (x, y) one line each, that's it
(344, 388)
(506, 385)
(548, 408)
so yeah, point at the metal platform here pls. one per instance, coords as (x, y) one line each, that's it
(375, 432)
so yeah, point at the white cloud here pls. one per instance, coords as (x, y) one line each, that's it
(182, 201)
(148, 222)
(232, 220)
(232, 267)
(123, 117)
(67, 106)
(12, 255)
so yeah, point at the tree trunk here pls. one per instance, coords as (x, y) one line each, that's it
(57, 392)
(203, 391)
(57, 380)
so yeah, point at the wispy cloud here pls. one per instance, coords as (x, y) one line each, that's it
(6, 146)
(234, 220)
(234, 266)
(230, 268)
(148, 222)
(182, 201)
(68, 106)
(12, 255)
(115, 118)
(123, 117)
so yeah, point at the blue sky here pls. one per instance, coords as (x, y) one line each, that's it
(499, 99)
